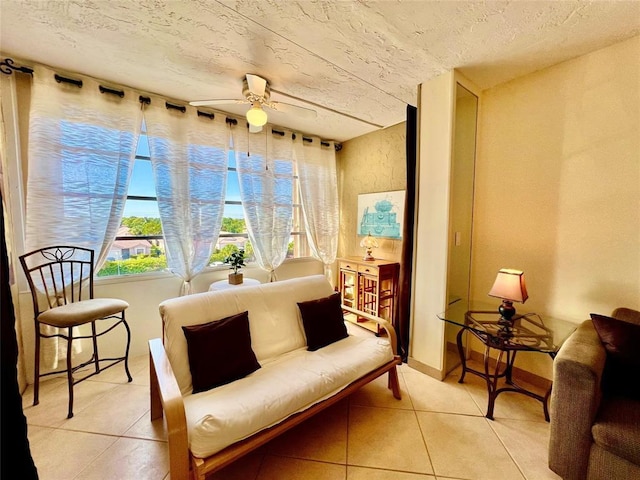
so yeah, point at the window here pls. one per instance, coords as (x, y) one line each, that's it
(299, 245)
(139, 247)
(233, 233)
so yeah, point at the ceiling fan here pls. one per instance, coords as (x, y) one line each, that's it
(257, 92)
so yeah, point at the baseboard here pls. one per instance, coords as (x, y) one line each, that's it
(518, 373)
(426, 369)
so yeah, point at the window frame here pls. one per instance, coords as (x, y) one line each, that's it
(301, 248)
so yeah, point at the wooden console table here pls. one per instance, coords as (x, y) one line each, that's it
(370, 286)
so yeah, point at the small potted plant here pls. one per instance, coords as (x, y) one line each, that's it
(235, 261)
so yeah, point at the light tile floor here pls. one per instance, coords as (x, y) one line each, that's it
(437, 431)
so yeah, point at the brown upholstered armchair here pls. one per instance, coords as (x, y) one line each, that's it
(594, 434)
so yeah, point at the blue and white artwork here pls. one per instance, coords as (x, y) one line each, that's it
(381, 214)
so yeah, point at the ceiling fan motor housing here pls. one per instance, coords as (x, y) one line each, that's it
(257, 92)
(252, 97)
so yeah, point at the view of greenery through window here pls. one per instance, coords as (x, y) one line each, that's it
(153, 258)
(139, 247)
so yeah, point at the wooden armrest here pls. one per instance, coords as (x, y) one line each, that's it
(166, 393)
(391, 332)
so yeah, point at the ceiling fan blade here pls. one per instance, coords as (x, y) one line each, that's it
(257, 85)
(254, 129)
(301, 112)
(204, 103)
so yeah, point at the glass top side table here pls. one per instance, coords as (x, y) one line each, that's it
(529, 332)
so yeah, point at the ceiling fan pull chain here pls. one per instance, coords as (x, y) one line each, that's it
(248, 143)
(266, 153)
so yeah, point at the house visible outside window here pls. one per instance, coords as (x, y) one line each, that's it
(139, 246)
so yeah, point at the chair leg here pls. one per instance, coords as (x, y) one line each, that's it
(36, 368)
(126, 353)
(94, 338)
(69, 372)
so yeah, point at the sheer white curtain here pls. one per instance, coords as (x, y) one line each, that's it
(265, 172)
(80, 155)
(318, 180)
(189, 156)
(81, 149)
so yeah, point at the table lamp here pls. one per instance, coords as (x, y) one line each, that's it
(510, 287)
(368, 243)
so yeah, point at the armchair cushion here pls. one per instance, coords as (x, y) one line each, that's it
(620, 340)
(220, 351)
(616, 428)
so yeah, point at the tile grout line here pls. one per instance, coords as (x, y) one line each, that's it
(504, 444)
(415, 414)
(258, 470)
(489, 422)
(79, 476)
(424, 442)
(406, 384)
(466, 388)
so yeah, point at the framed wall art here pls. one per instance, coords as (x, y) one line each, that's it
(381, 214)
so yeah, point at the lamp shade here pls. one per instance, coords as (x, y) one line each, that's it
(509, 285)
(256, 116)
(369, 242)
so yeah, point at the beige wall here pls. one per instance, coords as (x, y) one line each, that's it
(558, 186)
(375, 162)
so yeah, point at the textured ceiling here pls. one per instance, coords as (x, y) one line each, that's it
(357, 63)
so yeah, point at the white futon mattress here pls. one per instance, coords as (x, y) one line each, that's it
(283, 386)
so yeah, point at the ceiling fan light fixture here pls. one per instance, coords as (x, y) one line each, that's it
(254, 129)
(256, 116)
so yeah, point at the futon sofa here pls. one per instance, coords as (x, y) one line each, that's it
(237, 367)
(595, 402)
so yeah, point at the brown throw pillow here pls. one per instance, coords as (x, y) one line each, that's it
(323, 321)
(621, 340)
(220, 351)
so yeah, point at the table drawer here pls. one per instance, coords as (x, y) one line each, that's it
(368, 269)
(348, 266)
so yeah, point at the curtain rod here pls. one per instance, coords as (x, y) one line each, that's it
(147, 101)
(180, 108)
(338, 147)
(112, 91)
(7, 66)
(61, 79)
(210, 116)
